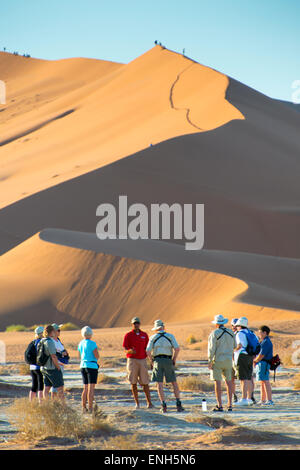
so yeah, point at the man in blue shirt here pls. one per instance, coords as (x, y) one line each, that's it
(262, 363)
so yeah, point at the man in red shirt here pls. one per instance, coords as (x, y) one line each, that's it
(135, 343)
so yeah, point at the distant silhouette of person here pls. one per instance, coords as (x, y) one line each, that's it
(155, 42)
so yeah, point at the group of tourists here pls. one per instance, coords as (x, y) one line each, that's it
(232, 354)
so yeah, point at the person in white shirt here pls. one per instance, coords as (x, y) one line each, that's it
(243, 362)
(162, 351)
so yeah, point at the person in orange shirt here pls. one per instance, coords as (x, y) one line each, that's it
(135, 343)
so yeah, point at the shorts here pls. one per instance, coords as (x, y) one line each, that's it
(89, 375)
(37, 381)
(221, 369)
(163, 367)
(263, 371)
(244, 367)
(137, 370)
(53, 378)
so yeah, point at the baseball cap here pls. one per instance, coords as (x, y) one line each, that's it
(135, 320)
(39, 330)
(55, 326)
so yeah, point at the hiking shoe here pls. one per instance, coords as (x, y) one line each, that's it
(163, 408)
(235, 398)
(269, 403)
(243, 402)
(253, 400)
(218, 408)
(180, 408)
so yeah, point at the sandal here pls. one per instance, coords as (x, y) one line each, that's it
(218, 408)
(229, 408)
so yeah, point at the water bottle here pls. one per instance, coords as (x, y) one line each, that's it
(204, 405)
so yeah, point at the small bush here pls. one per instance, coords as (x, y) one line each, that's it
(69, 327)
(191, 339)
(194, 382)
(16, 328)
(24, 369)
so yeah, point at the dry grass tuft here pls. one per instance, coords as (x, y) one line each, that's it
(194, 382)
(129, 442)
(210, 421)
(50, 418)
(106, 379)
(55, 419)
(191, 339)
(237, 435)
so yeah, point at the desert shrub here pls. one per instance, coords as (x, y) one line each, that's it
(194, 382)
(24, 369)
(16, 328)
(191, 339)
(106, 379)
(297, 382)
(69, 327)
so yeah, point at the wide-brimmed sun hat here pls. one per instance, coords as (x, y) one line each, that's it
(135, 320)
(158, 324)
(220, 320)
(243, 321)
(39, 330)
(86, 331)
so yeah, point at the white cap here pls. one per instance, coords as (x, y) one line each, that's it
(39, 330)
(220, 320)
(243, 321)
(86, 331)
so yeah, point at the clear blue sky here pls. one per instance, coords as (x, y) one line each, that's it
(254, 41)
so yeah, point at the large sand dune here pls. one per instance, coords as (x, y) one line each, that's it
(76, 133)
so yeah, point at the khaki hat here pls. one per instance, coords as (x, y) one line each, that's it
(158, 324)
(135, 320)
(220, 320)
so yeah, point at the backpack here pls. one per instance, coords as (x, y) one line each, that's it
(225, 331)
(30, 353)
(253, 346)
(60, 357)
(274, 363)
(42, 357)
(160, 336)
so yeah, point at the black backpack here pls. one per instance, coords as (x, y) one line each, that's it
(42, 357)
(30, 353)
(274, 363)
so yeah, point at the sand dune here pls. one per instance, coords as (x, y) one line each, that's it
(76, 133)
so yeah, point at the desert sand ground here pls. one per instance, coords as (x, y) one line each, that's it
(253, 428)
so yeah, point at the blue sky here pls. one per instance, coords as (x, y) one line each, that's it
(254, 41)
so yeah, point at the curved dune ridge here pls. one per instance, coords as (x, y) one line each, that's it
(109, 111)
(163, 128)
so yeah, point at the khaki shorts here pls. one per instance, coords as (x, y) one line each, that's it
(137, 370)
(221, 369)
